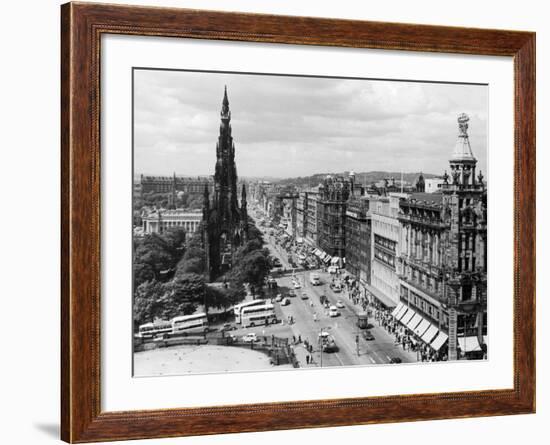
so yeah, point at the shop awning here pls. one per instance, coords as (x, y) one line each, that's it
(429, 335)
(439, 341)
(327, 259)
(422, 327)
(414, 322)
(469, 344)
(397, 309)
(402, 313)
(408, 316)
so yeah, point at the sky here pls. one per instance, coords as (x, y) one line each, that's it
(287, 126)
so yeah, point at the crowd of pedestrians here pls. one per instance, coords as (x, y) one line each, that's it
(405, 338)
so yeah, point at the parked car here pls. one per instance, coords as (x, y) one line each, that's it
(304, 296)
(228, 327)
(339, 304)
(333, 311)
(367, 335)
(291, 293)
(285, 302)
(297, 285)
(279, 298)
(395, 360)
(332, 269)
(250, 338)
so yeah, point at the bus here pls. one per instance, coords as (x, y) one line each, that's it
(196, 323)
(258, 315)
(238, 308)
(150, 330)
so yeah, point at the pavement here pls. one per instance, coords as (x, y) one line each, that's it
(200, 360)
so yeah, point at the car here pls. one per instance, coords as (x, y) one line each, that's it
(285, 302)
(228, 327)
(279, 298)
(333, 311)
(395, 360)
(337, 288)
(339, 304)
(291, 293)
(250, 338)
(304, 296)
(367, 335)
(332, 269)
(297, 285)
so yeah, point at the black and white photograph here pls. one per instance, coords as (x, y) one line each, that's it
(305, 222)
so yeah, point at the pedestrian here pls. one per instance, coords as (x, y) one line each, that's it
(299, 338)
(294, 339)
(307, 359)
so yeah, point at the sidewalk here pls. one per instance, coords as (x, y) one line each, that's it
(300, 352)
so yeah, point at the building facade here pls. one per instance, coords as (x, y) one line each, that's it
(358, 239)
(443, 257)
(225, 220)
(159, 221)
(385, 236)
(172, 184)
(311, 216)
(433, 185)
(331, 215)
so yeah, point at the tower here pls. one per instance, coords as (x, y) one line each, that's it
(420, 184)
(465, 202)
(225, 223)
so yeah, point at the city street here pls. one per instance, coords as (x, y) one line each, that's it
(310, 318)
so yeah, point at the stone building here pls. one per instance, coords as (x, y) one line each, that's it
(385, 233)
(358, 239)
(159, 221)
(443, 256)
(193, 185)
(225, 220)
(310, 217)
(334, 193)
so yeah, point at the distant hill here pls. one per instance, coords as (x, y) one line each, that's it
(361, 178)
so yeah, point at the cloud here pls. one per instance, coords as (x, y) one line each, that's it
(294, 126)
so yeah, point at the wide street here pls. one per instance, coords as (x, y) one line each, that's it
(310, 318)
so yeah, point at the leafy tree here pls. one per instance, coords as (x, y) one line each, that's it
(175, 242)
(143, 272)
(183, 295)
(148, 298)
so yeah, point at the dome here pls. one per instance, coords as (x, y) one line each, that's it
(463, 150)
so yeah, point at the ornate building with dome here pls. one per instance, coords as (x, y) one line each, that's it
(443, 257)
(225, 221)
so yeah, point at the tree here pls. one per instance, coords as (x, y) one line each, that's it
(175, 242)
(148, 301)
(184, 294)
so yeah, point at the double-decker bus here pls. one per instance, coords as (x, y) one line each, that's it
(239, 307)
(149, 330)
(196, 323)
(258, 315)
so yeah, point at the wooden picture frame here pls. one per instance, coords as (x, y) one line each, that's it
(82, 26)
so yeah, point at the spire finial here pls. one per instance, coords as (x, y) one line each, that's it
(226, 114)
